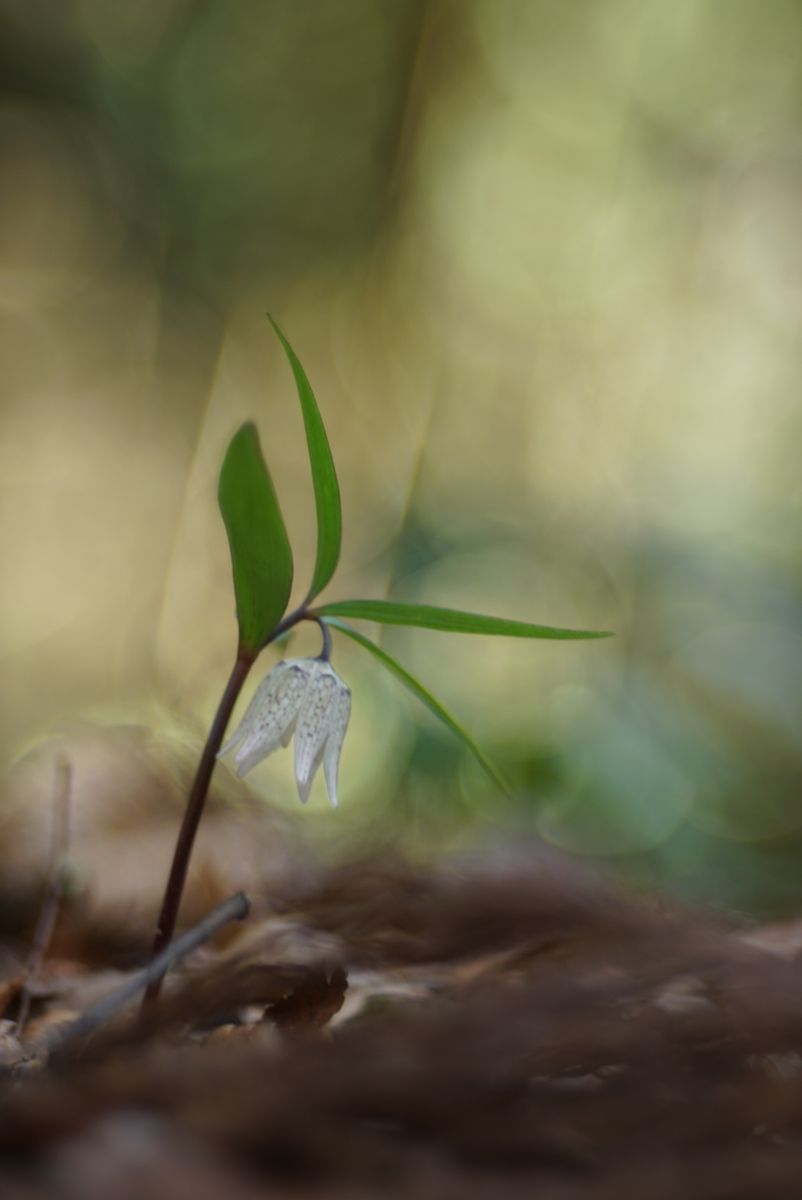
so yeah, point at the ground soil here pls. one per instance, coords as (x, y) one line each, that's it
(502, 1025)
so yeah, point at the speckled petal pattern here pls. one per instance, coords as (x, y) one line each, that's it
(304, 697)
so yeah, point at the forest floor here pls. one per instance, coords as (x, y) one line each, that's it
(502, 1025)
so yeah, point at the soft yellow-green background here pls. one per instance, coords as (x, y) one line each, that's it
(542, 260)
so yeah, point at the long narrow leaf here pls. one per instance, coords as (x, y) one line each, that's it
(261, 558)
(324, 476)
(425, 696)
(387, 612)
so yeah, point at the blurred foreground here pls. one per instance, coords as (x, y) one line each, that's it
(496, 1025)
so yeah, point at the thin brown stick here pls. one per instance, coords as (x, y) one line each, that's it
(236, 908)
(192, 815)
(56, 880)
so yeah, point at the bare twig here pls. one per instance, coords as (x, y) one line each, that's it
(57, 874)
(234, 909)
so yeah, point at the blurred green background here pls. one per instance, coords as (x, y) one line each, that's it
(543, 264)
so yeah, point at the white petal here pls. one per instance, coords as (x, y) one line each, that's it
(286, 736)
(270, 716)
(313, 725)
(234, 740)
(341, 713)
(252, 751)
(300, 696)
(238, 734)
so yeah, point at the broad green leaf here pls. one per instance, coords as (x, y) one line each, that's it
(387, 612)
(324, 476)
(426, 697)
(261, 558)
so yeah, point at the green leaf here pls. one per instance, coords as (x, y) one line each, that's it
(426, 697)
(261, 558)
(324, 476)
(387, 612)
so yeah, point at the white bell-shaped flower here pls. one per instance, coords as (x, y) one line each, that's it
(304, 696)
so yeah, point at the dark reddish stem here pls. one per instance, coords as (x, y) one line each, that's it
(193, 813)
(196, 801)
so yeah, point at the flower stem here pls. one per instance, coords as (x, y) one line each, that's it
(193, 813)
(325, 653)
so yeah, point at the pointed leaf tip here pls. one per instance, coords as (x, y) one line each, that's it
(450, 620)
(261, 558)
(324, 476)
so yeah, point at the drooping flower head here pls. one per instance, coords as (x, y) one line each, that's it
(304, 696)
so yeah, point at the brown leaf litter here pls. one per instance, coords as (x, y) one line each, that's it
(503, 1026)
